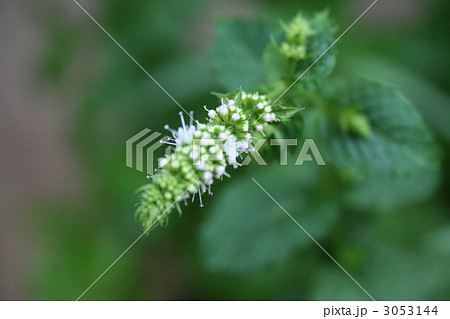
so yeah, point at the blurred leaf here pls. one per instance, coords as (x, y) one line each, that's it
(399, 141)
(433, 103)
(396, 164)
(76, 252)
(387, 192)
(402, 262)
(334, 284)
(276, 66)
(247, 230)
(237, 53)
(399, 274)
(438, 241)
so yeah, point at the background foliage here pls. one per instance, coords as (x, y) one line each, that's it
(386, 222)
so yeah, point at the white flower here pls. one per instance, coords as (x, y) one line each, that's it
(201, 165)
(223, 110)
(259, 127)
(223, 136)
(219, 156)
(269, 117)
(212, 113)
(184, 134)
(260, 106)
(205, 141)
(208, 176)
(230, 148)
(241, 147)
(194, 155)
(231, 102)
(220, 170)
(235, 117)
(192, 189)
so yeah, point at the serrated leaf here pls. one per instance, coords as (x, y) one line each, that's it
(246, 229)
(319, 43)
(395, 164)
(237, 53)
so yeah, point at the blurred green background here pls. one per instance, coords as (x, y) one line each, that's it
(70, 98)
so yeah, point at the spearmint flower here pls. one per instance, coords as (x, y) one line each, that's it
(202, 154)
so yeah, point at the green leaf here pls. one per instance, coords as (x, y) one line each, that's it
(431, 101)
(246, 229)
(320, 42)
(394, 163)
(276, 66)
(237, 53)
(283, 71)
(403, 274)
(439, 241)
(331, 283)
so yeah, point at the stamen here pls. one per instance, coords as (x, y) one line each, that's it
(167, 127)
(182, 121)
(200, 197)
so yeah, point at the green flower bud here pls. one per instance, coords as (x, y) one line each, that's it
(297, 34)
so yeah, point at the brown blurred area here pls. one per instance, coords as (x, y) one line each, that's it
(36, 163)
